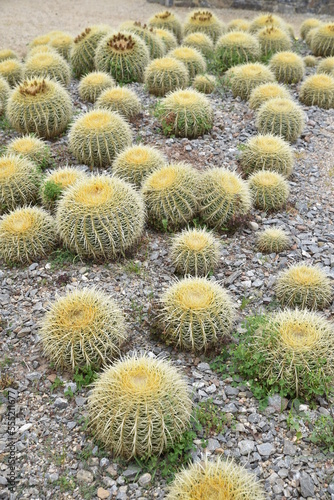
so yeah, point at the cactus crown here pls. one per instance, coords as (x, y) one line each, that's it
(19, 222)
(271, 32)
(43, 59)
(33, 87)
(144, 26)
(163, 15)
(184, 52)
(195, 294)
(320, 82)
(201, 17)
(82, 35)
(121, 42)
(9, 65)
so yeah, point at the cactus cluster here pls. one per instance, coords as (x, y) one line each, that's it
(204, 83)
(273, 240)
(191, 58)
(281, 117)
(139, 406)
(201, 42)
(136, 163)
(83, 51)
(93, 84)
(82, 328)
(168, 38)
(267, 91)
(32, 148)
(308, 25)
(236, 47)
(12, 71)
(120, 99)
(273, 40)
(318, 90)
(270, 190)
(246, 77)
(167, 21)
(154, 44)
(50, 65)
(206, 22)
(322, 42)
(55, 182)
(165, 75)
(287, 67)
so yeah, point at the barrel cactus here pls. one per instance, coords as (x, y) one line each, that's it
(139, 407)
(318, 90)
(266, 21)
(322, 43)
(248, 76)
(168, 21)
(205, 22)
(63, 44)
(201, 42)
(281, 117)
(304, 286)
(236, 47)
(154, 44)
(56, 182)
(204, 83)
(309, 36)
(100, 217)
(307, 25)
(40, 40)
(273, 39)
(168, 38)
(7, 54)
(96, 137)
(136, 163)
(273, 240)
(191, 58)
(270, 190)
(93, 84)
(165, 75)
(48, 65)
(310, 61)
(26, 235)
(40, 105)
(238, 25)
(121, 99)
(326, 66)
(83, 328)
(4, 93)
(266, 91)
(32, 148)
(287, 67)
(12, 71)
(41, 49)
(83, 51)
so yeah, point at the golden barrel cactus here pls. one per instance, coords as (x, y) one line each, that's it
(200, 41)
(83, 51)
(120, 99)
(273, 40)
(322, 41)
(326, 66)
(265, 21)
(273, 240)
(287, 67)
(267, 91)
(168, 38)
(282, 117)
(7, 54)
(167, 21)
(154, 43)
(4, 93)
(204, 83)
(63, 44)
(246, 77)
(270, 190)
(56, 182)
(308, 25)
(236, 47)
(165, 75)
(12, 70)
(191, 58)
(92, 85)
(206, 22)
(32, 148)
(238, 25)
(318, 90)
(47, 64)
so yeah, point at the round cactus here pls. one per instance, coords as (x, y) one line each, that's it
(26, 235)
(281, 117)
(308, 25)
(266, 91)
(41, 106)
(96, 137)
(273, 240)
(48, 65)
(165, 75)
(225, 198)
(322, 42)
(287, 67)
(168, 38)
(195, 252)
(309, 36)
(32, 148)
(310, 61)
(4, 93)
(191, 58)
(273, 39)
(120, 99)
(83, 328)
(63, 44)
(248, 76)
(12, 71)
(40, 40)
(267, 152)
(8, 54)
(204, 83)
(196, 314)
(219, 480)
(270, 190)
(201, 42)
(171, 196)
(154, 44)
(168, 21)
(326, 66)
(235, 48)
(304, 286)
(83, 51)
(55, 182)
(205, 22)
(41, 49)
(100, 217)
(136, 163)
(124, 55)
(92, 85)
(186, 113)
(238, 25)
(19, 182)
(318, 90)
(266, 21)
(139, 406)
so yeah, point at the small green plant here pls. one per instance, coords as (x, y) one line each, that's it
(6, 361)
(60, 257)
(56, 384)
(209, 419)
(84, 376)
(293, 423)
(65, 483)
(323, 432)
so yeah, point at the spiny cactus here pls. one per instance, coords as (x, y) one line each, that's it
(41, 106)
(41, 49)
(326, 66)
(248, 76)
(48, 65)
(83, 328)
(238, 25)
(168, 21)
(63, 44)
(40, 40)
(171, 196)
(168, 38)
(139, 406)
(195, 252)
(235, 48)
(165, 75)
(92, 85)
(309, 36)
(12, 71)
(273, 39)
(267, 152)
(19, 182)
(219, 480)
(196, 314)
(287, 67)
(266, 21)
(225, 198)
(96, 137)
(191, 58)
(136, 163)
(205, 22)
(55, 182)
(124, 55)
(204, 83)
(270, 190)
(32, 148)
(26, 235)
(307, 25)
(186, 113)
(281, 117)
(121, 99)
(4, 93)
(322, 42)
(310, 61)
(304, 285)
(100, 217)
(83, 52)
(273, 240)
(8, 54)
(201, 42)
(318, 90)
(266, 91)
(147, 34)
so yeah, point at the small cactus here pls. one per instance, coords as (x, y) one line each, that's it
(248, 76)
(7, 54)
(191, 58)
(206, 22)
(92, 85)
(266, 91)
(287, 67)
(270, 190)
(204, 83)
(32, 148)
(225, 198)
(26, 235)
(82, 328)
(326, 66)
(41, 106)
(48, 65)
(165, 75)
(281, 117)
(55, 182)
(124, 55)
(168, 38)
(272, 240)
(273, 40)
(322, 42)
(83, 51)
(168, 21)
(304, 286)
(136, 163)
(139, 407)
(171, 196)
(238, 25)
(195, 252)
(236, 47)
(267, 152)
(309, 36)
(310, 61)
(41, 49)
(121, 99)
(63, 44)
(40, 40)
(318, 90)
(308, 25)
(12, 71)
(154, 44)
(100, 217)
(266, 21)
(4, 93)
(96, 137)
(201, 42)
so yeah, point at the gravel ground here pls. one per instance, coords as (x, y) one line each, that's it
(56, 458)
